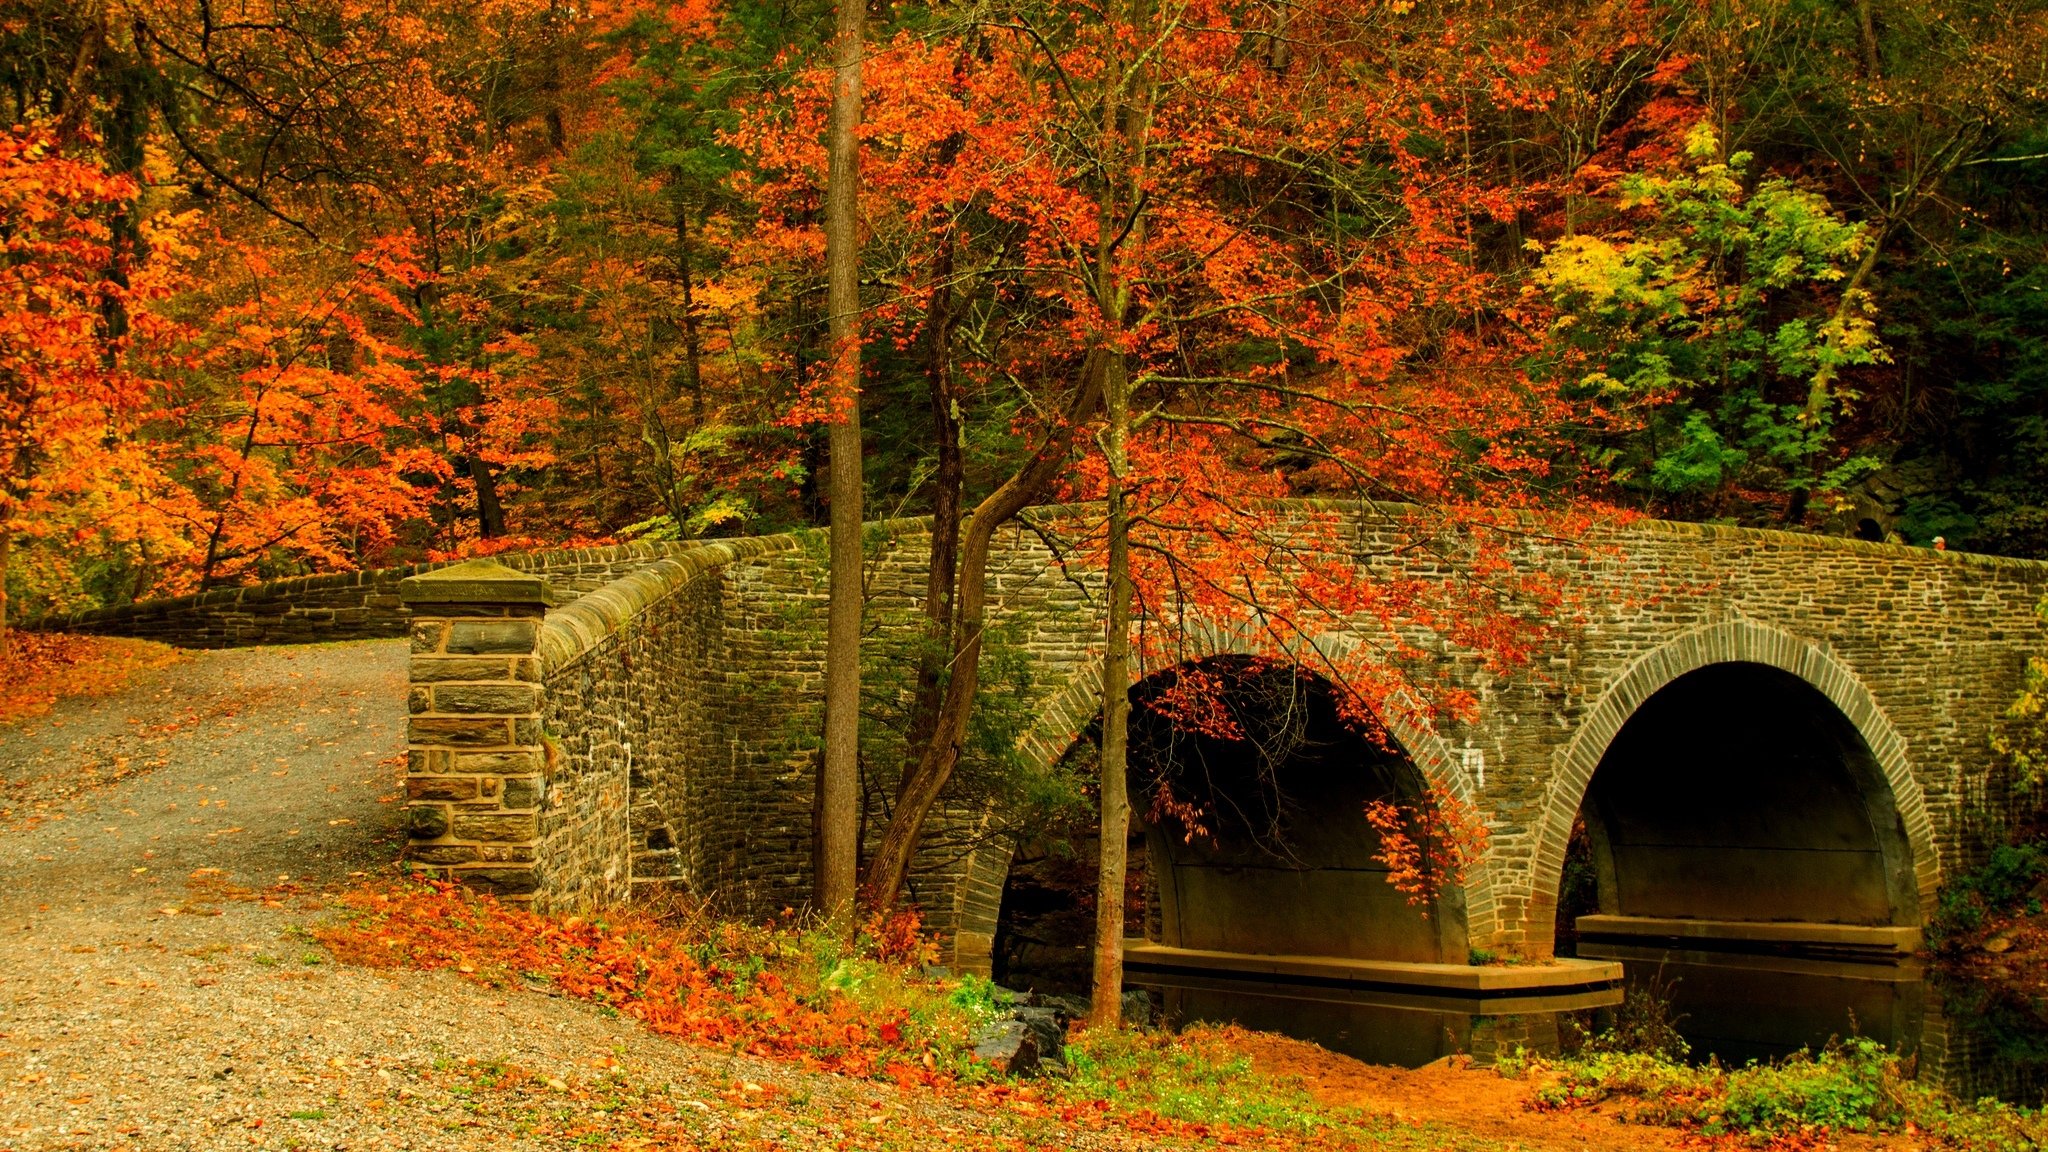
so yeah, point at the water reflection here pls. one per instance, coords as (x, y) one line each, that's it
(1731, 1006)
(1378, 1026)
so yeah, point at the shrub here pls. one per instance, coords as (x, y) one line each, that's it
(2004, 885)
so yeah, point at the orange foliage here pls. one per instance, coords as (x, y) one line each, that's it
(725, 985)
(1427, 845)
(38, 669)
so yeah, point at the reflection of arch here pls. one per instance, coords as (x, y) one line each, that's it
(1068, 712)
(1738, 641)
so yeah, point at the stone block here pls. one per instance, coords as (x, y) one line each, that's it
(428, 635)
(426, 821)
(463, 732)
(441, 788)
(475, 637)
(503, 827)
(501, 699)
(523, 792)
(473, 582)
(442, 853)
(500, 881)
(515, 762)
(434, 671)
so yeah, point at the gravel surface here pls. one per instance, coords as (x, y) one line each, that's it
(163, 849)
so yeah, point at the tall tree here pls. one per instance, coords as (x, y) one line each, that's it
(838, 860)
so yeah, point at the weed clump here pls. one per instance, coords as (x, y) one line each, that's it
(1852, 1085)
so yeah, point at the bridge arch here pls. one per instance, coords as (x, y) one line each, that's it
(1067, 713)
(1732, 644)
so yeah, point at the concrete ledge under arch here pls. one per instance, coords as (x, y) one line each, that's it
(1481, 980)
(1738, 641)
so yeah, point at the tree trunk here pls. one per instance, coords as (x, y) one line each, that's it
(920, 789)
(490, 513)
(948, 480)
(693, 340)
(6, 557)
(839, 774)
(1106, 1008)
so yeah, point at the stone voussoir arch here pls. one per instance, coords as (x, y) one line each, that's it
(1734, 641)
(1066, 714)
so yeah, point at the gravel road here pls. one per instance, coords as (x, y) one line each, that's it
(148, 1001)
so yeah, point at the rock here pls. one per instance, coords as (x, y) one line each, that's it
(1048, 1028)
(1138, 1009)
(1007, 1046)
(1072, 1007)
(1998, 944)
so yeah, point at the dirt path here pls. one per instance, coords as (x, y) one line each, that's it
(142, 1008)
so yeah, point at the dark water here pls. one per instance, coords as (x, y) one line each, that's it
(1735, 1008)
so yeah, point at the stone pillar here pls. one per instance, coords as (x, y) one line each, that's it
(475, 757)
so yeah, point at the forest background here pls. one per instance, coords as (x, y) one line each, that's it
(305, 286)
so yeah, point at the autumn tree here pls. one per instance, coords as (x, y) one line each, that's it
(67, 400)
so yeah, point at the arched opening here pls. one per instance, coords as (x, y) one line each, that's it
(1744, 853)
(1253, 790)
(1739, 792)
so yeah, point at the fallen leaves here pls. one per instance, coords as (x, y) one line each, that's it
(38, 669)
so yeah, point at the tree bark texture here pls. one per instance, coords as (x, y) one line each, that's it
(839, 773)
(1106, 1005)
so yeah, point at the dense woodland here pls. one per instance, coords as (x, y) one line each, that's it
(304, 285)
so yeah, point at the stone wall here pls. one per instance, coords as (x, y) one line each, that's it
(664, 724)
(335, 606)
(1920, 650)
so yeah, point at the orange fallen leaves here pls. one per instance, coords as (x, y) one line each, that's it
(731, 986)
(38, 669)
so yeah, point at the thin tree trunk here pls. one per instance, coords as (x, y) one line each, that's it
(6, 557)
(890, 865)
(693, 341)
(1106, 1007)
(490, 512)
(839, 775)
(948, 480)
(1126, 128)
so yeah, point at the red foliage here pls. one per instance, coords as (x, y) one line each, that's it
(726, 986)
(1429, 844)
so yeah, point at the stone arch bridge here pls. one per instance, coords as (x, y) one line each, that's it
(1789, 742)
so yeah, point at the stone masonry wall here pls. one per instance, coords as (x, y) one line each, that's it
(634, 718)
(674, 706)
(337, 606)
(1921, 650)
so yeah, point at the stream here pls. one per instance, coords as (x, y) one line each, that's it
(1733, 1007)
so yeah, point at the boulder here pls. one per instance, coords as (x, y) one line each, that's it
(1008, 1046)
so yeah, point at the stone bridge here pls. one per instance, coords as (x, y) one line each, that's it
(1770, 738)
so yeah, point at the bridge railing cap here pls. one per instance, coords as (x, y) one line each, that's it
(475, 582)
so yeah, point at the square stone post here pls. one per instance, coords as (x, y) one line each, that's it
(475, 758)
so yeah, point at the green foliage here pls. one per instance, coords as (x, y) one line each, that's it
(2024, 739)
(1644, 1025)
(1715, 318)
(1850, 1086)
(1195, 1076)
(2004, 885)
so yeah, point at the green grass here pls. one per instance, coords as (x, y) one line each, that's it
(1850, 1086)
